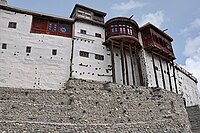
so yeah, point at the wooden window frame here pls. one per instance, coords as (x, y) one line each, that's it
(51, 27)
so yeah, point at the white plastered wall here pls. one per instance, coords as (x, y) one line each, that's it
(38, 69)
(185, 85)
(188, 88)
(91, 68)
(118, 68)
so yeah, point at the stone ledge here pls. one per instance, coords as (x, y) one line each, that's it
(167, 126)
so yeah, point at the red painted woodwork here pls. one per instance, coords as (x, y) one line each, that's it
(121, 26)
(51, 27)
(156, 42)
(39, 26)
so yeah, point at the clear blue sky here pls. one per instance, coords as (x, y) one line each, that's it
(180, 17)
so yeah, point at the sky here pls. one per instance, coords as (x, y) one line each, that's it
(180, 17)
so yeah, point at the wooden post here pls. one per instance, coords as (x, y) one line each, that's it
(155, 73)
(113, 62)
(175, 78)
(170, 83)
(126, 65)
(132, 67)
(139, 66)
(163, 78)
(71, 59)
(122, 61)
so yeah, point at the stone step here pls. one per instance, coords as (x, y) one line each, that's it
(163, 126)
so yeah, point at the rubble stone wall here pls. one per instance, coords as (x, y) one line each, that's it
(194, 117)
(93, 107)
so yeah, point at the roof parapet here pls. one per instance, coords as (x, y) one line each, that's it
(87, 8)
(186, 72)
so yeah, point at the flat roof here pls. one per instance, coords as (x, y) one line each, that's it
(87, 8)
(19, 10)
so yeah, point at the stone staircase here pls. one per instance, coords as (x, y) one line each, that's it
(92, 107)
(194, 117)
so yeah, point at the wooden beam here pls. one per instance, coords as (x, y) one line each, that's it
(175, 78)
(126, 65)
(170, 83)
(154, 69)
(139, 66)
(163, 77)
(122, 61)
(71, 59)
(132, 67)
(113, 62)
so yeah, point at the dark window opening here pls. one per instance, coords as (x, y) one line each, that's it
(163, 43)
(4, 46)
(160, 41)
(28, 49)
(156, 39)
(99, 57)
(12, 25)
(89, 16)
(54, 51)
(84, 54)
(83, 31)
(97, 35)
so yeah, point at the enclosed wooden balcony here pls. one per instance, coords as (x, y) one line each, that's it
(124, 30)
(156, 41)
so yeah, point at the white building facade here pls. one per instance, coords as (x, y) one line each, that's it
(40, 51)
(31, 60)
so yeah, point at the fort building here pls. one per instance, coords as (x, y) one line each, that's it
(42, 51)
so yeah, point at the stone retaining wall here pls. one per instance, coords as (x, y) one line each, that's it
(194, 117)
(93, 107)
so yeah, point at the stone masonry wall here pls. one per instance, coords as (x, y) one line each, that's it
(194, 117)
(86, 106)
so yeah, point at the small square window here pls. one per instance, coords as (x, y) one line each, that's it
(83, 31)
(28, 49)
(4, 46)
(97, 35)
(84, 54)
(54, 51)
(12, 25)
